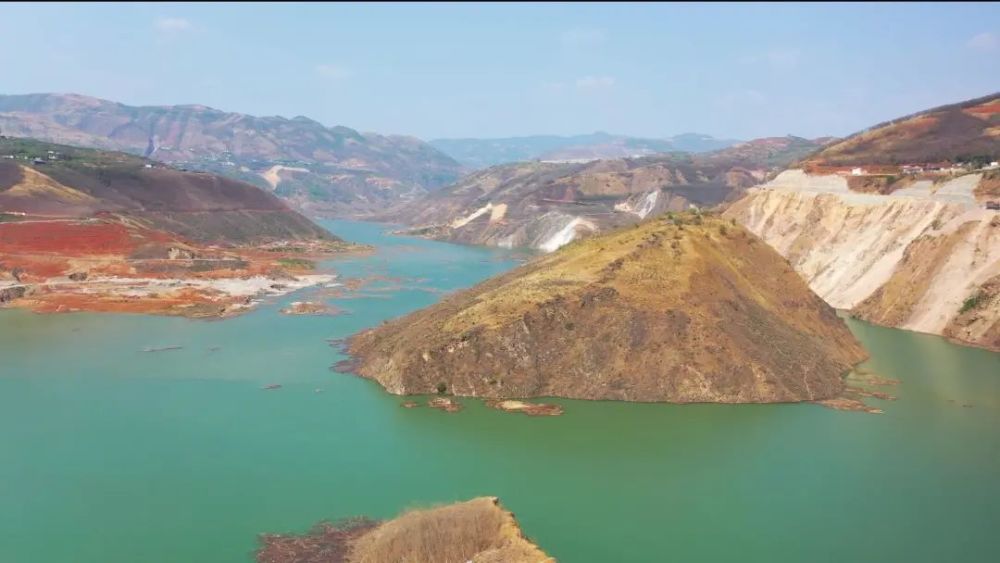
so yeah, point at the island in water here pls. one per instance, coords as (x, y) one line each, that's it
(684, 308)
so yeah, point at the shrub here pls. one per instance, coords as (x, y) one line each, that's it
(442, 388)
(972, 302)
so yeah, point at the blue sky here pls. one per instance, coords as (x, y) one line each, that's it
(490, 70)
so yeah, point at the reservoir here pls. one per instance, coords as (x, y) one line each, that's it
(109, 453)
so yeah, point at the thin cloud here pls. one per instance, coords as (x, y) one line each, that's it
(742, 100)
(784, 59)
(778, 59)
(592, 83)
(985, 42)
(333, 71)
(173, 25)
(581, 38)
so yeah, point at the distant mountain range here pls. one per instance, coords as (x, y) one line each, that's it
(321, 170)
(482, 153)
(548, 204)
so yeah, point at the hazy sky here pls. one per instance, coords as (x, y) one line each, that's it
(497, 70)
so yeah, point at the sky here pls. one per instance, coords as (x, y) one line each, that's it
(494, 70)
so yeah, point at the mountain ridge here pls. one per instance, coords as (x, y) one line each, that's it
(325, 170)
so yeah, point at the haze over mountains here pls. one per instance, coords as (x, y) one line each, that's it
(481, 153)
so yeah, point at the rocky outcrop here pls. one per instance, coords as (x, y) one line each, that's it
(912, 259)
(9, 293)
(475, 531)
(683, 308)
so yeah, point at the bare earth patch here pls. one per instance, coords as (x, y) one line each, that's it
(530, 409)
(310, 308)
(445, 404)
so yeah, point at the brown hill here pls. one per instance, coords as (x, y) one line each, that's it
(679, 309)
(333, 170)
(80, 229)
(959, 132)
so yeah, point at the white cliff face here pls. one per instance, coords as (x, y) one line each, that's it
(496, 212)
(565, 234)
(641, 208)
(909, 259)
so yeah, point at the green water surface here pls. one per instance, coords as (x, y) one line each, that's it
(109, 454)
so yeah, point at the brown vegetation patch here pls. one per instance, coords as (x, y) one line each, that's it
(989, 186)
(476, 531)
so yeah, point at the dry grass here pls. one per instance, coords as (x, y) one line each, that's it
(477, 530)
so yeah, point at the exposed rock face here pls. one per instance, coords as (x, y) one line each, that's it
(909, 260)
(545, 205)
(678, 309)
(477, 531)
(326, 170)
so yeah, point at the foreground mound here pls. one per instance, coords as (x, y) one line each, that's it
(479, 530)
(680, 309)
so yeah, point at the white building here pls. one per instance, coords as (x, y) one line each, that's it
(858, 172)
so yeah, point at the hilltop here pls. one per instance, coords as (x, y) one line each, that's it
(684, 308)
(319, 169)
(959, 132)
(478, 531)
(83, 229)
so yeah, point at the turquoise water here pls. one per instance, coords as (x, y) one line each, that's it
(109, 454)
